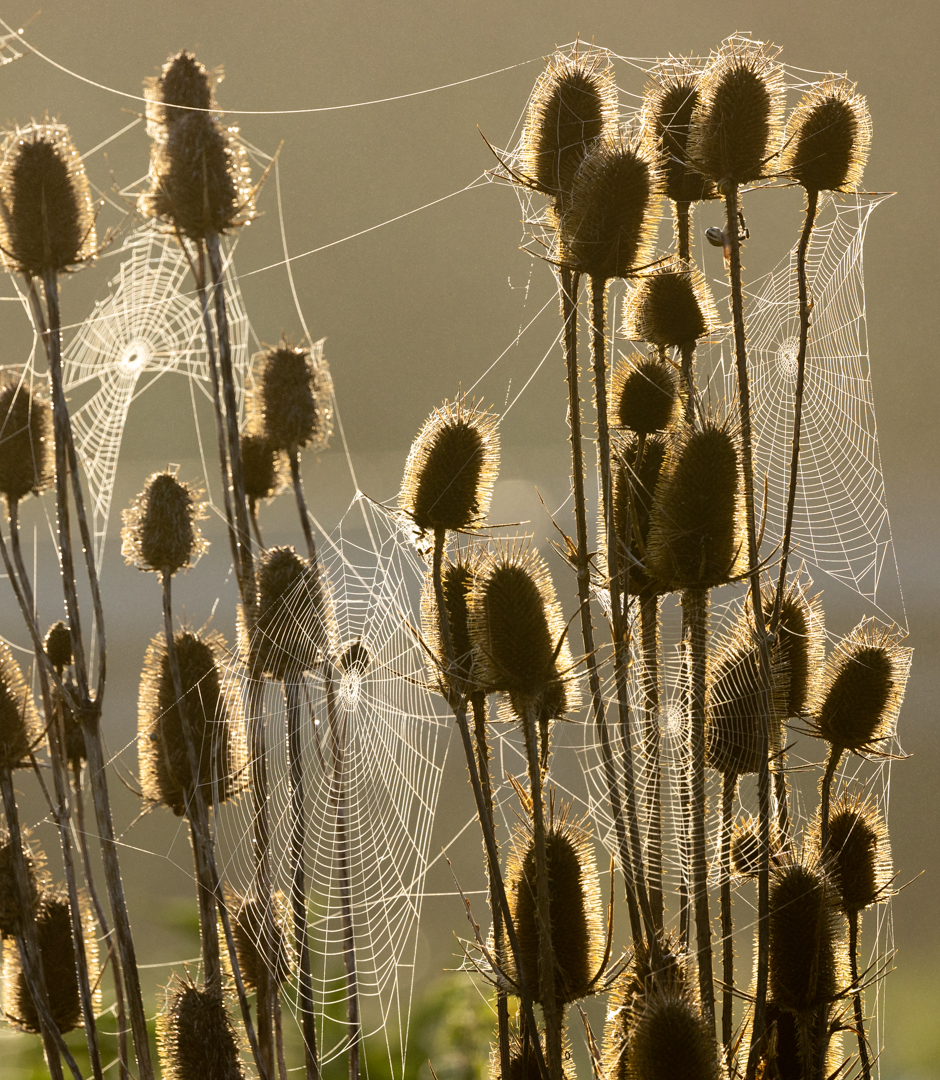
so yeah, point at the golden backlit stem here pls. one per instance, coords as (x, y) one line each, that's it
(727, 926)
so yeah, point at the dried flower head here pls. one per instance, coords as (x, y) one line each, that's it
(182, 86)
(457, 580)
(643, 394)
(20, 726)
(739, 122)
(696, 525)
(609, 228)
(215, 721)
(12, 914)
(160, 531)
(801, 640)
(261, 467)
(58, 646)
(573, 104)
(292, 401)
(261, 940)
(293, 628)
(671, 306)
(451, 469)
(635, 476)
(195, 1035)
(27, 464)
(859, 853)
(858, 700)
(669, 1038)
(47, 220)
(828, 137)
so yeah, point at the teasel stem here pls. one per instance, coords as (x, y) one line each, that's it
(812, 202)
(683, 230)
(685, 801)
(782, 795)
(695, 607)
(729, 189)
(619, 627)
(253, 520)
(279, 1039)
(649, 638)
(857, 996)
(569, 298)
(297, 483)
(835, 756)
(478, 704)
(458, 704)
(729, 789)
(298, 888)
(687, 349)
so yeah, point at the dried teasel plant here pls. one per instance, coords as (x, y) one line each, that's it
(195, 1035)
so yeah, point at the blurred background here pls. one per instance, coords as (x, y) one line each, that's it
(429, 301)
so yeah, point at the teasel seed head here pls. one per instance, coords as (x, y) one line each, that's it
(643, 394)
(807, 961)
(451, 469)
(635, 477)
(195, 1035)
(577, 917)
(828, 137)
(516, 625)
(457, 580)
(609, 228)
(801, 640)
(292, 403)
(523, 1064)
(859, 853)
(12, 915)
(261, 466)
(214, 718)
(47, 220)
(264, 953)
(58, 646)
(857, 703)
(670, 1039)
(294, 625)
(745, 847)
(739, 121)
(671, 306)
(54, 932)
(696, 525)
(668, 107)
(182, 86)
(20, 726)
(27, 458)
(573, 104)
(160, 532)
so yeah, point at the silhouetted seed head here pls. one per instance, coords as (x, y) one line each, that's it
(828, 137)
(634, 481)
(27, 458)
(801, 641)
(516, 624)
(695, 527)
(160, 532)
(451, 469)
(577, 918)
(264, 955)
(196, 1037)
(609, 229)
(20, 727)
(214, 718)
(740, 117)
(745, 847)
(11, 908)
(292, 402)
(671, 306)
(48, 221)
(292, 630)
(261, 467)
(862, 688)
(643, 395)
(183, 85)
(457, 579)
(523, 1064)
(670, 102)
(859, 853)
(54, 931)
(558, 699)
(670, 1039)
(573, 104)
(58, 646)
(806, 953)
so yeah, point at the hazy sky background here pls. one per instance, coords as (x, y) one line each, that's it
(413, 309)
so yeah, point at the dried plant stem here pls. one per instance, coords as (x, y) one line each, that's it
(649, 637)
(683, 230)
(729, 789)
(297, 484)
(298, 888)
(835, 756)
(253, 519)
(782, 796)
(279, 1039)
(863, 1055)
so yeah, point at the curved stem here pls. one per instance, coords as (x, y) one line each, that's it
(729, 790)
(863, 1055)
(294, 458)
(255, 527)
(835, 756)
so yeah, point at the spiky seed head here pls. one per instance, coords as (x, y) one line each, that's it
(292, 404)
(523, 1064)
(668, 106)
(801, 640)
(214, 720)
(573, 104)
(451, 469)
(859, 853)
(27, 464)
(195, 1035)
(160, 532)
(670, 1039)
(806, 966)
(261, 943)
(516, 623)
(643, 395)
(75, 750)
(12, 914)
(828, 137)
(696, 523)
(58, 645)
(457, 580)
(54, 932)
(738, 124)
(635, 477)
(609, 228)
(293, 628)
(857, 704)
(671, 306)
(48, 220)
(182, 85)
(575, 910)
(20, 726)
(261, 466)
(746, 847)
